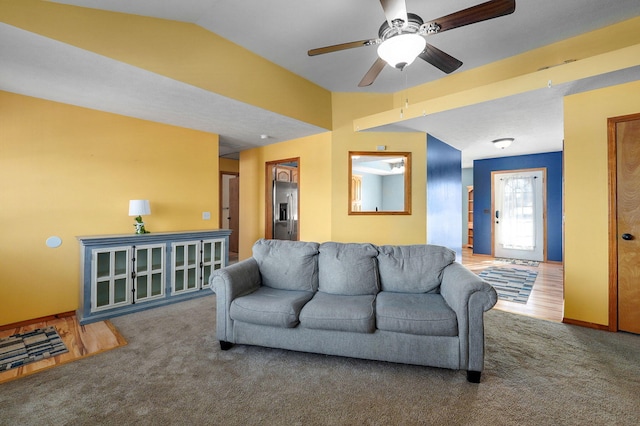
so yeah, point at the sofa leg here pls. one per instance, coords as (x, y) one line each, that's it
(225, 346)
(473, 376)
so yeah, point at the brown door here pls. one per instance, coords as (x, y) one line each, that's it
(234, 217)
(627, 135)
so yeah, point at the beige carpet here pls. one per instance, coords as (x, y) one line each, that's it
(173, 372)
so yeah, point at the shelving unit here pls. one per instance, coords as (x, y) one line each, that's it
(128, 273)
(470, 217)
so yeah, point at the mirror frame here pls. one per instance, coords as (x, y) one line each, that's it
(407, 182)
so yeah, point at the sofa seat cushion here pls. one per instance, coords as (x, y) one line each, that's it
(348, 269)
(287, 265)
(337, 312)
(270, 306)
(424, 314)
(413, 268)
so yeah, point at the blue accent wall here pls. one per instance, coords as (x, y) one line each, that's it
(482, 198)
(444, 205)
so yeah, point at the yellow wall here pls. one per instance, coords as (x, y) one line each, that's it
(324, 181)
(586, 198)
(579, 48)
(68, 171)
(229, 165)
(384, 229)
(610, 49)
(179, 50)
(314, 188)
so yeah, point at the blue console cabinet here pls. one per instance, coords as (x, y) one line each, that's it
(121, 274)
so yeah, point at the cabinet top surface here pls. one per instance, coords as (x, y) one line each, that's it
(154, 236)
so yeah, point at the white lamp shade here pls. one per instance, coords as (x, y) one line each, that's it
(139, 207)
(401, 50)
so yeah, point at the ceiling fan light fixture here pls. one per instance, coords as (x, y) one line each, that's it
(502, 143)
(401, 50)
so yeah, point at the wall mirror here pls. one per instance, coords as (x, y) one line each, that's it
(379, 183)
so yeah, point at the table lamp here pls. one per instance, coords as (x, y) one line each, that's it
(138, 208)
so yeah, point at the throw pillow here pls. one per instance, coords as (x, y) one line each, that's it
(348, 269)
(287, 265)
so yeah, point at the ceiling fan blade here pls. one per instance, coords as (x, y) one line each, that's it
(439, 59)
(394, 10)
(482, 12)
(372, 74)
(342, 46)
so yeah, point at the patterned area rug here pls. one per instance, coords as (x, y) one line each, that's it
(21, 349)
(513, 285)
(518, 261)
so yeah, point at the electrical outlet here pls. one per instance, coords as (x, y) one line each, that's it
(206, 215)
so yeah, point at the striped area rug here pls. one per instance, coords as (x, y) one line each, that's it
(23, 348)
(513, 285)
(518, 261)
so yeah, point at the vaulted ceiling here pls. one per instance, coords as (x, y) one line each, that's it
(283, 31)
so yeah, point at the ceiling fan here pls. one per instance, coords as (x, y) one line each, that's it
(401, 37)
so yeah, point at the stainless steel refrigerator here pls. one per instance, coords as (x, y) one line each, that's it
(285, 210)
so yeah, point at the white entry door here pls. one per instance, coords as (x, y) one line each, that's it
(518, 214)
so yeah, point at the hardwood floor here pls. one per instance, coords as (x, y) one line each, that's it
(547, 297)
(81, 341)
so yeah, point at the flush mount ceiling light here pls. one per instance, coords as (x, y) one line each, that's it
(502, 143)
(397, 168)
(401, 50)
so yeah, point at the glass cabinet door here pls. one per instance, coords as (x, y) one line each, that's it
(212, 259)
(193, 262)
(185, 259)
(149, 272)
(110, 280)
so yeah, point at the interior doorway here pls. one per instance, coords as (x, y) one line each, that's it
(282, 199)
(519, 219)
(624, 223)
(229, 207)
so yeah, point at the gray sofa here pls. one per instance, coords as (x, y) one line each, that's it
(408, 304)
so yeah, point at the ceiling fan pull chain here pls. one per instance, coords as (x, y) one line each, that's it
(406, 89)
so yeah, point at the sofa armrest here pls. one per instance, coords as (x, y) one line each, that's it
(469, 296)
(229, 283)
(459, 283)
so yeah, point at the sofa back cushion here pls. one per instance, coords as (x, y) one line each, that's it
(348, 269)
(413, 268)
(287, 265)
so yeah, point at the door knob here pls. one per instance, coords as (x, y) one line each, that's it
(627, 237)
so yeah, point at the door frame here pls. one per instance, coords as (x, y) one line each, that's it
(221, 183)
(544, 207)
(612, 153)
(220, 202)
(221, 207)
(268, 191)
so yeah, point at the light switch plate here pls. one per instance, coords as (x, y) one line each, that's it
(206, 215)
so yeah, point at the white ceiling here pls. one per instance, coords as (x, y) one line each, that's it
(282, 31)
